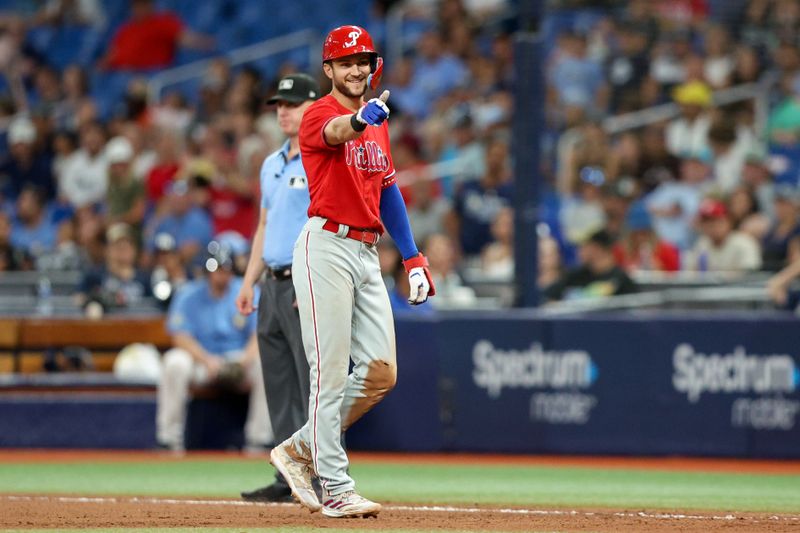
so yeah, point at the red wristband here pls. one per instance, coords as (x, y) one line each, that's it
(417, 261)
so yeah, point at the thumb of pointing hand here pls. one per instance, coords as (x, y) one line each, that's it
(384, 96)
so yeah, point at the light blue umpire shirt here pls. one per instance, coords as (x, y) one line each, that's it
(284, 193)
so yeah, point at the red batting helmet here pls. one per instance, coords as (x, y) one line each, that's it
(346, 41)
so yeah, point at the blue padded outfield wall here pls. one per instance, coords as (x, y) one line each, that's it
(653, 384)
(649, 384)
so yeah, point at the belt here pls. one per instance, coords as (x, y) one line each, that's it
(368, 237)
(280, 273)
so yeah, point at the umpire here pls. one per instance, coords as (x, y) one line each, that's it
(284, 207)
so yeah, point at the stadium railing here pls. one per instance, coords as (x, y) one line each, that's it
(237, 56)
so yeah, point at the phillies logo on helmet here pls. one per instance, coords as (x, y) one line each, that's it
(354, 35)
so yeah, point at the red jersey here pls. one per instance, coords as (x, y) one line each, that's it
(233, 211)
(145, 44)
(345, 181)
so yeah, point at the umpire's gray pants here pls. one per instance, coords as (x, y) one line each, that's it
(283, 359)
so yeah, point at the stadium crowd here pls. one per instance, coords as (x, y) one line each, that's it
(134, 198)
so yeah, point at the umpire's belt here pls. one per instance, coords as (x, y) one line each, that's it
(280, 273)
(368, 237)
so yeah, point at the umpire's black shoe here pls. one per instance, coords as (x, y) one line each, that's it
(276, 492)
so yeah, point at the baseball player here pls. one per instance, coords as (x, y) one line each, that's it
(206, 332)
(344, 307)
(284, 208)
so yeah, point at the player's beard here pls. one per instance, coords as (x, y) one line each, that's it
(343, 88)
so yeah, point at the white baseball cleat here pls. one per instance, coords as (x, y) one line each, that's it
(297, 475)
(349, 505)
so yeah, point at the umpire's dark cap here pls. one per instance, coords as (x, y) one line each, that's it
(296, 89)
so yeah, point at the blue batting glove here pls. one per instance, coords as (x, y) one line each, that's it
(375, 111)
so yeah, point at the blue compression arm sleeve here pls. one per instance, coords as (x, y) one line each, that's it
(395, 218)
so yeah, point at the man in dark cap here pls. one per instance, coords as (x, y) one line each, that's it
(284, 208)
(598, 274)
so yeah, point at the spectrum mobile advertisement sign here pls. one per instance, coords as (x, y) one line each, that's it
(635, 385)
(761, 382)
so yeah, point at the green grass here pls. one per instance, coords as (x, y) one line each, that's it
(529, 486)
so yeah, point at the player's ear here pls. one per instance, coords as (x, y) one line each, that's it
(327, 68)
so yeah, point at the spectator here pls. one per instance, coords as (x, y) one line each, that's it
(688, 134)
(657, 164)
(673, 204)
(75, 85)
(66, 254)
(626, 156)
(11, 257)
(669, 57)
(65, 147)
(388, 255)
(597, 275)
(639, 15)
(477, 203)
(627, 68)
(574, 79)
(125, 201)
(720, 248)
(160, 177)
(464, 150)
(583, 214)
(747, 67)
(745, 214)
(427, 212)
(436, 72)
(497, 257)
(118, 283)
(33, 230)
(169, 272)
(189, 225)
(72, 12)
(640, 248)
(172, 114)
(615, 198)
(144, 159)
(719, 63)
(26, 165)
(757, 176)
(781, 245)
(149, 40)
(587, 147)
(47, 95)
(784, 121)
(84, 179)
(778, 287)
(549, 260)
(450, 289)
(90, 236)
(231, 204)
(207, 331)
(729, 155)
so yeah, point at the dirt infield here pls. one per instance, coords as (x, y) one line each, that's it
(24, 512)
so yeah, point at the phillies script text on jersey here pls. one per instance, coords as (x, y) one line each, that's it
(369, 157)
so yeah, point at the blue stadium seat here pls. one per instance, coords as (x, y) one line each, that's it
(108, 90)
(65, 48)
